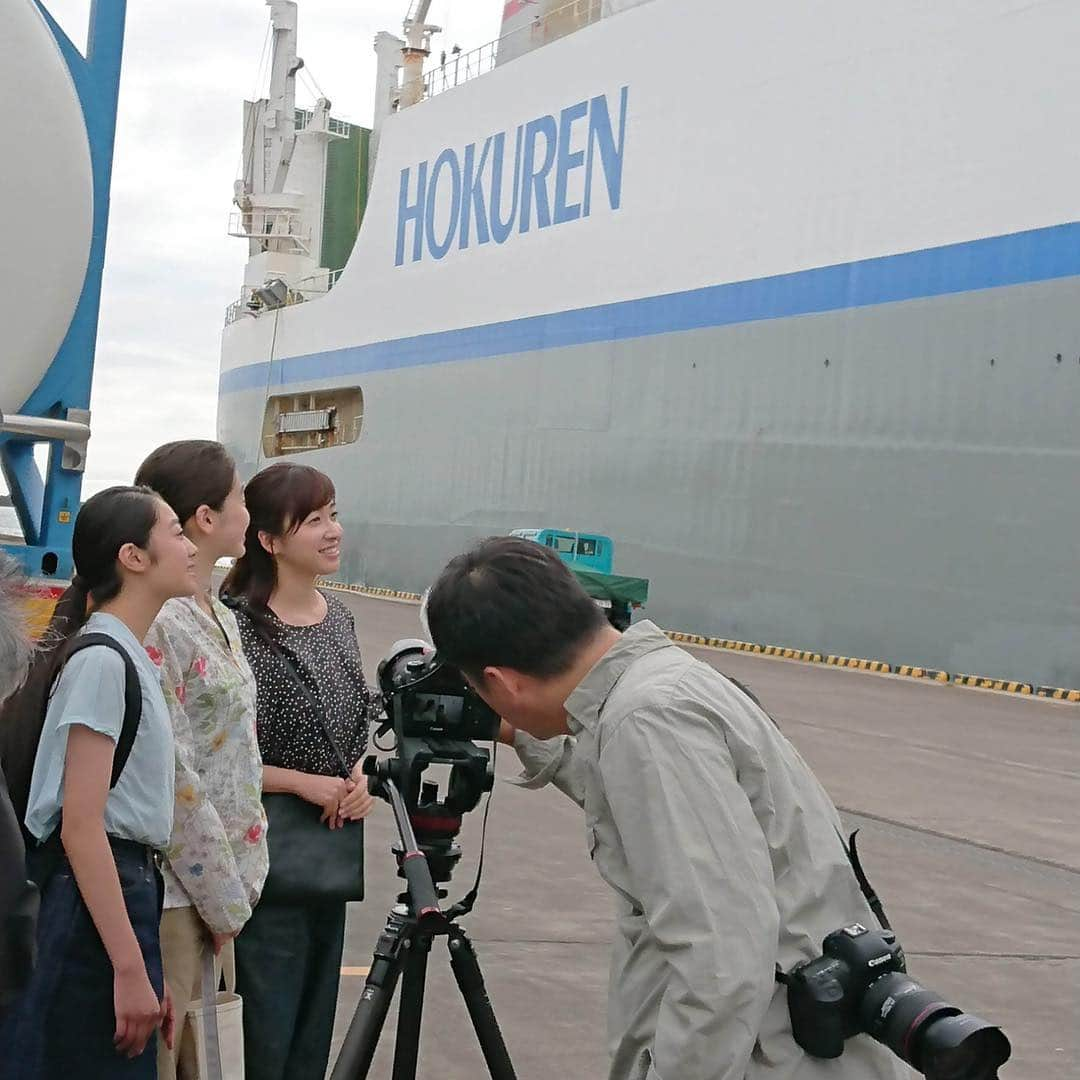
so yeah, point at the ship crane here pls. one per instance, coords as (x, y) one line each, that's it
(399, 77)
(416, 50)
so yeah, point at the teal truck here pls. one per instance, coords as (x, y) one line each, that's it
(591, 559)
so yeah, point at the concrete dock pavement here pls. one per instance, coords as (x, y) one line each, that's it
(968, 802)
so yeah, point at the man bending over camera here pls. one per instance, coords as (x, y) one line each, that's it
(722, 849)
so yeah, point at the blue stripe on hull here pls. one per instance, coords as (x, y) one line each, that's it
(1016, 259)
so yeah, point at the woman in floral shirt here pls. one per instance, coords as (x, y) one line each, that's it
(217, 856)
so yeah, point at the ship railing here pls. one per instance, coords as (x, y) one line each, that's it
(459, 68)
(308, 288)
(271, 223)
(303, 117)
(453, 69)
(236, 310)
(317, 284)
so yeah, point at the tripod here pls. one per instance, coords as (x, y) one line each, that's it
(402, 949)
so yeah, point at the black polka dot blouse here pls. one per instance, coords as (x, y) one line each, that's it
(327, 658)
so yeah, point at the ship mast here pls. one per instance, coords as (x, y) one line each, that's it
(279, 197)
(280, 117)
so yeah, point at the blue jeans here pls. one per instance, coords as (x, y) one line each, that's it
(288, 964)
(62, 1028)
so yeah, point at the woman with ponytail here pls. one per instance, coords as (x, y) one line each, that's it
(217, 856)
(97, 994)
(313, 709)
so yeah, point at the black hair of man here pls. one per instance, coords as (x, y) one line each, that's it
(511, 603)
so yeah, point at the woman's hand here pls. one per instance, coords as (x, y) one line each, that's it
(138, 1011)
(221, 940)
(324, 791)
(357, 804)
(168, 1019)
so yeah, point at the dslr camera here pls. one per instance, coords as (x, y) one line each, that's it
(435, 717)
(860, 985)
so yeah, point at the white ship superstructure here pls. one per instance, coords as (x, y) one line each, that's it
(781, 299)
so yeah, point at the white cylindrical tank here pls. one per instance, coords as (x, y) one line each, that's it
(46, 192)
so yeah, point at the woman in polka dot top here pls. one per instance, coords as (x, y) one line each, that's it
(288, 956)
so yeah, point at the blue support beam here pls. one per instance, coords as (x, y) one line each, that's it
(46, 506)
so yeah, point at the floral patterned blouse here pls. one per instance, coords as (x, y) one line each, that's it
(217, 856)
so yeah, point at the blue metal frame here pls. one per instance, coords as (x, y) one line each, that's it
(46, 506)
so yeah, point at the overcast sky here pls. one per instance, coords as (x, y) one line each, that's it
(170, 270)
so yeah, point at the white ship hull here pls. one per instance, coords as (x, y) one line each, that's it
(797, 327)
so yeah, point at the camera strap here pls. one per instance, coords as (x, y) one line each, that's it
(851, 850)
(872, 898)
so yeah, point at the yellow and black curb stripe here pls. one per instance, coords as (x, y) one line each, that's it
(370, 590)
(857, 664)
(393, 594)
(744, 646)
(983, 683)
(793, 654)
(921, 673)
(1058, 693)
(854, 663)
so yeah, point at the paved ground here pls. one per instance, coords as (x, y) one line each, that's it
(969, 803)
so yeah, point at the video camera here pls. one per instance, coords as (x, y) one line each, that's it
(435, 716)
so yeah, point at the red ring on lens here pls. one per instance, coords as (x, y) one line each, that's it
(933, 1007)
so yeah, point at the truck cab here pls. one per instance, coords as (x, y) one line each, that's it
(591, 558)
(588, 551)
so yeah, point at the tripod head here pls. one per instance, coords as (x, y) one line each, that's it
(435, 716)
(435, 820)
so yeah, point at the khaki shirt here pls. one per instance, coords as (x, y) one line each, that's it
(722, 850)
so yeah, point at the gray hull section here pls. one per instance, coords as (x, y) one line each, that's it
(896, 482)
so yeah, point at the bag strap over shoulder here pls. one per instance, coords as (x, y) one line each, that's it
(290, 669)
(132, 697)
(317, 709)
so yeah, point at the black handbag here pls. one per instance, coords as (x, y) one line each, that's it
(310, 863)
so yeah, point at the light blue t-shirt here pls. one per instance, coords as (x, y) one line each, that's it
(90, 691)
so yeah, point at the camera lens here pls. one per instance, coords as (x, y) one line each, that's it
(934, 1037)
(963, 1047)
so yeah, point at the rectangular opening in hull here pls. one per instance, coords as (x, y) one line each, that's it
(293, 423)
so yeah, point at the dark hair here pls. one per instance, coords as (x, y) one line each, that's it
(510, 603)
(189, 474)
(278, 499)
(105, 523)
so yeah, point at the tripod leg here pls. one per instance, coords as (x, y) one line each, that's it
(357, 1051)
(471, 984)
(411, 1007)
